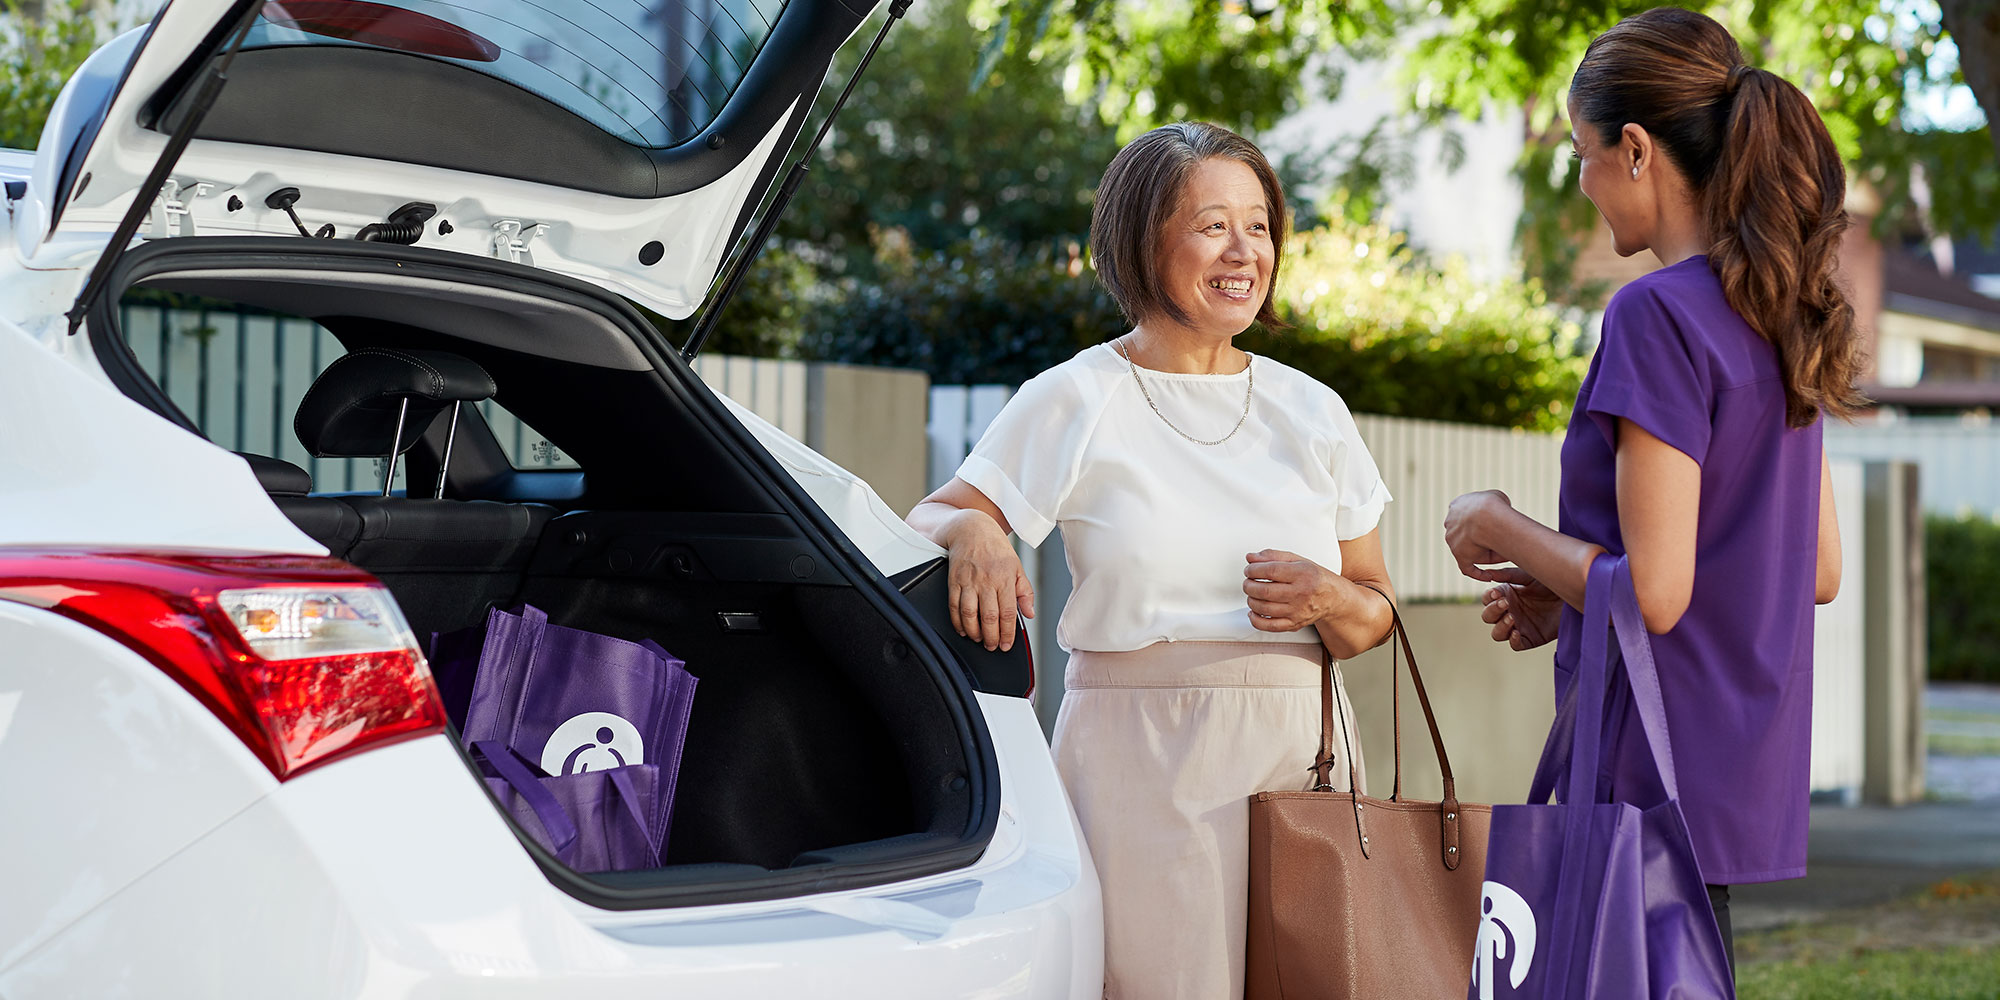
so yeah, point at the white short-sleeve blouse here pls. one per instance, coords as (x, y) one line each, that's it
(1156, 527)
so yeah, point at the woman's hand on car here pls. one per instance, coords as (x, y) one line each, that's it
(1524, 613)
(989, 589)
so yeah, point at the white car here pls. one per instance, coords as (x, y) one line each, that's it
(225, 770)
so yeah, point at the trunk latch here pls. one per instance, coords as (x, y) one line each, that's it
(511, 238)
(172, 215)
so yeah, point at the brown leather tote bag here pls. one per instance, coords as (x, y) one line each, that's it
(1352, 896)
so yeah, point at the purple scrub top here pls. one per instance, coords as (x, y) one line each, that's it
(1736, 671)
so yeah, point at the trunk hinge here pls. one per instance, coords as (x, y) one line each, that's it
(741, 265)
(143, 199)
(511, 238)
(173, 216)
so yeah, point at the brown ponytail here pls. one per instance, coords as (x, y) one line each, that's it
(1767, 176)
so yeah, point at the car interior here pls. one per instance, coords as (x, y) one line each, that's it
(822, 743)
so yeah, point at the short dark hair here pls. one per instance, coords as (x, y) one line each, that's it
(1139, 194)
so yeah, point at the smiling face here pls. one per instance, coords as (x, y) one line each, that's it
(1605, 175)
(1216, 252)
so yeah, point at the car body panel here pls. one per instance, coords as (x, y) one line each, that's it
(74, 445)
(140, 768)
(161, 859)
(442, 903)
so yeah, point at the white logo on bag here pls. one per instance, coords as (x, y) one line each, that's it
(593, 741)
(1502, 913)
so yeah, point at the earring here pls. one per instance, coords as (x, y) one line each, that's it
(1635, 173)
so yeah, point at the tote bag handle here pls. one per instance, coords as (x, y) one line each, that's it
(556, 820)
(1610, 606)
(560, 828)
(1323, 767)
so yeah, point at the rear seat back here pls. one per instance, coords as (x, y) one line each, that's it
(325, 519)
(444, 560)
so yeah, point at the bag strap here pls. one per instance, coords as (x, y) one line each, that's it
(1555, 749)
(560, 828)
(621, 779)
(1323, 767)
(1611, 604)
(1448, 812)
(1580, 786)
(1636, 643)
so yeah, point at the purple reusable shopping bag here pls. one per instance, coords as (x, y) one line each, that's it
(1595, 899)
(593, 821)
(573, 702)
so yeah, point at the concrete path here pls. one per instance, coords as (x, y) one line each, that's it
(1869, 855)
(1865, 855)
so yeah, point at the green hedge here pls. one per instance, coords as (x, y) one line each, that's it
(980, 312)
(1392, 332)
(1400, 335)
(39, 49)
(1962, 592)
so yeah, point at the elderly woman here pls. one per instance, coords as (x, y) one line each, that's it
(1219, 513)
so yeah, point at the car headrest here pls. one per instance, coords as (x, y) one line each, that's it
(351, 409)
(278, 477)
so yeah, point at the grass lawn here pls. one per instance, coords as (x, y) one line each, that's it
(1943, 944)
(1963, 744)
(1904, 974)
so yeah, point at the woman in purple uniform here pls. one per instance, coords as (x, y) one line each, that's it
(1694, 448)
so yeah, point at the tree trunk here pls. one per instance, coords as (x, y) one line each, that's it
(1975, 27)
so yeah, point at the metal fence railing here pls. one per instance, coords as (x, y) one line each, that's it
(240, 377)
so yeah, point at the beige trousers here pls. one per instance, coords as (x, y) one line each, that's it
(1160, 749)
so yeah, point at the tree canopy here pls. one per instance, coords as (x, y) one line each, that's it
(1874, 68)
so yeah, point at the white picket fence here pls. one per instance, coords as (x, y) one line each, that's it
(1958, 459)
(1425, 465)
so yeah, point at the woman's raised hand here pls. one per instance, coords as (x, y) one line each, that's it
(1524, 613)
(1465, 526)
(989, 589)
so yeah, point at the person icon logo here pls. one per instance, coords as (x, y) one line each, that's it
(592, 741)
(599, 756)
(1503, 915)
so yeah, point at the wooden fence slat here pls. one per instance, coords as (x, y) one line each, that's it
(182, 376)
(295, 374)
(263, 426)
(793, 409)
(1839, 681)
(985, 404)
(222, 380)
(946, 432)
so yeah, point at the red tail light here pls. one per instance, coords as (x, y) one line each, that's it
(305, 659)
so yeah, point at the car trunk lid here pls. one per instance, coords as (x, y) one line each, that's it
(625, 145)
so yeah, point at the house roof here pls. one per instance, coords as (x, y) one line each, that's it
(1936, 395)
(1911, 284)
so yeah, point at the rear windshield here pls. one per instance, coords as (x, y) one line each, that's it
(239, 372)
(654, 73)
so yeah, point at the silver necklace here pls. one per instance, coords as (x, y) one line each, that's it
(1249, 368)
